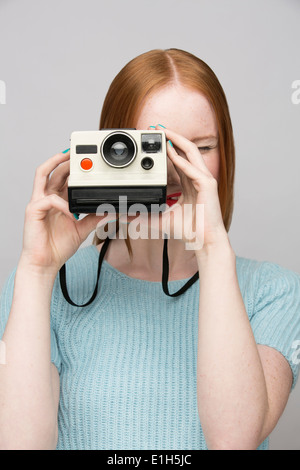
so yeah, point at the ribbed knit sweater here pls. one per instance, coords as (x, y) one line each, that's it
(128, 361)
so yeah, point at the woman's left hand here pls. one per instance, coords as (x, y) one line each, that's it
(197, 213)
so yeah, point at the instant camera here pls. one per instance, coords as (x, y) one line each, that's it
(111, 163)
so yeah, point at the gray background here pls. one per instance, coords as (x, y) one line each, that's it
(59, 57)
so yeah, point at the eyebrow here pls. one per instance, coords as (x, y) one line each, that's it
(206, 137)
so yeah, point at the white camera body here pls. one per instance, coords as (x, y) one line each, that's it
(110, 163)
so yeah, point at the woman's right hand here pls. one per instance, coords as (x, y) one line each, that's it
(51, 232)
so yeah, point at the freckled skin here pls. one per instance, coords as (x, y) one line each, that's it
(188, 113)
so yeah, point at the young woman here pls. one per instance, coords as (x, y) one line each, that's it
(138, 368)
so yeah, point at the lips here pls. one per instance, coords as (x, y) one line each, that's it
(172, 199)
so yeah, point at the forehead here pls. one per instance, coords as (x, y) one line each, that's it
(181, 109)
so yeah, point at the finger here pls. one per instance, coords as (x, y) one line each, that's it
(63, 193)
(181, 164)
(42, 174)
(58, 177)
(171, 162)
(86, 225)
(39, 209)
(190, 149)
(184, 181)
(199, 179)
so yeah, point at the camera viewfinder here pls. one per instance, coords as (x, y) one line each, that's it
(151, 143)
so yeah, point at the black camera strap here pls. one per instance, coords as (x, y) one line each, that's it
(165, 276)
(63, 282)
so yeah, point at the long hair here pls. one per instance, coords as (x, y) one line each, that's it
(153, 70)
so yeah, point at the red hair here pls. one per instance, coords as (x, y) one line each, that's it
(154, 70)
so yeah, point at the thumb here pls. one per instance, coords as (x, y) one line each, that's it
(86, 225)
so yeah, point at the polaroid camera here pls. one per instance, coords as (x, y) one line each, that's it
(110, 163)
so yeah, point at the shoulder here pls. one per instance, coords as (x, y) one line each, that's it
(271, 295)
(260, 279)
(83, 258)
(81, 268)
(265, 269)
(81, 274)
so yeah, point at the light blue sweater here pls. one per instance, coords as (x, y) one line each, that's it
(128, 361)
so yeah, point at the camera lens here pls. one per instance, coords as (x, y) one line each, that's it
(118, 149)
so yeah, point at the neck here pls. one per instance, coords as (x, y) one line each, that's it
(147, 256)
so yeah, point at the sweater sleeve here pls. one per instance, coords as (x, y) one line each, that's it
(5, 307)
(276, 315)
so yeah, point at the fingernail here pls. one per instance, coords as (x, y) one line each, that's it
(153, 127)
(65, 151)
(170, 143)
(161, 125)
(76, 216)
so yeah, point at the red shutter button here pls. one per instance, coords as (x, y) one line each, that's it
(86, 164)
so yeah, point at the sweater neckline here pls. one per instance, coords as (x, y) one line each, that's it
(120, 274)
